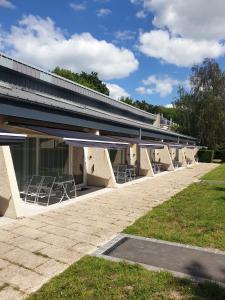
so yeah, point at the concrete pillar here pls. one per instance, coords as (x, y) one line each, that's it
(145, 163)
(182, 159)
(134, 155)
(10, 202)
(99, 168)
(163, 156)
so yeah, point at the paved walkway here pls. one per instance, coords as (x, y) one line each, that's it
(35, 249)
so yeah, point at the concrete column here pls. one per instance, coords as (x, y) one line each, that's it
(163, 156)
(99, 168)
(182, 159)
(10, 202)
(133, 155)
(145, 163)
(189, 154)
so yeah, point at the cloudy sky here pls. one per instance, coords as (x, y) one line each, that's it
(141, 48)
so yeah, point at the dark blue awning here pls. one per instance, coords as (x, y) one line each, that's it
(176, 146)
(7, 138)
(142, 143)
(81, 139)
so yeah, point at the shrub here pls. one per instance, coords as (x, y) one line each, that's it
(206, 155)
(220, 154)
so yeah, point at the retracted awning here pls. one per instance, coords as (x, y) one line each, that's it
(81, 139)
(7, 138)
(176, 146)
(142, 143)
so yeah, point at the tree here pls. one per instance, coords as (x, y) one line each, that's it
(167, 112)
(89, 80)
(201, 112)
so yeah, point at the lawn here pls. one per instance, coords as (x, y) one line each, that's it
(96, 279)
(194, 216)
(216, 174)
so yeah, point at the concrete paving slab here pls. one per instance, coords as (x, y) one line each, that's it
(10, 293)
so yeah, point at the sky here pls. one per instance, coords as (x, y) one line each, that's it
(140, 48)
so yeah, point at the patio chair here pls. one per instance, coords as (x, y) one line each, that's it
(65, 187)
(33, 188)
(46, 190)
(132, 172)
(123, 174)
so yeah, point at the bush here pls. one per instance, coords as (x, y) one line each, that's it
(206, 155)
(220, 154)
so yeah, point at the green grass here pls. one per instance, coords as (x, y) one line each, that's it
(194, 216)
(216, 174)
(96, 279)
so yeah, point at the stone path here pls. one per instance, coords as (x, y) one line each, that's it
(33, 250)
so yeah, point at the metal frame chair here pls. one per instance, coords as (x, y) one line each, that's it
(45, 190)
(33, 188)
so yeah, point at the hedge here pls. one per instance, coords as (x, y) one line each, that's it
(206, 155)
(220, 154)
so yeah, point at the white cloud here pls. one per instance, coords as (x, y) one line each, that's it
(124, 35)
(116, 91)
(158, 85)
(194, 19)
(78, 6)
(102, 12)
(6, 4)
(185, 32)
(40, 42)
(177, 50)
(141, 14)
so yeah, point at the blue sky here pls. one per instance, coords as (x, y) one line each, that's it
(141, 48)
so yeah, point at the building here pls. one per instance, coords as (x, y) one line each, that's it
(51, 126)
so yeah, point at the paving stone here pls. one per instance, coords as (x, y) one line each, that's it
(85, 248)
(51, 268)
(24, 258)
(26, 280)
(60, 241)
(60, 254)
(10, 293)
(57, 230)
(27, 243)
(6, 235)
(32, 223)
(5, 248)
(28, 232)
(3, 264)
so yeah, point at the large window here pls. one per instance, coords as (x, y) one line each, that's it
(117, 157)
(24, 159)
(53, 157)
(46, 157)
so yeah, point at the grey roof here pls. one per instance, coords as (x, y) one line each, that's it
(52, 78)
(19, 94)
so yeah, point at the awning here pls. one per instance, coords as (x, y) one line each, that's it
(190, 147)
(142, 143)
(176, 146)
(81, 139)
(7, 138)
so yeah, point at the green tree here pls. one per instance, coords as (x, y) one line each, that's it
(89, 80)
(201, 112)
(167, 112)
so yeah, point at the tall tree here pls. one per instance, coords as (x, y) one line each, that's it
(89, 80)
(201, 112)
